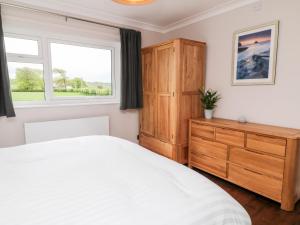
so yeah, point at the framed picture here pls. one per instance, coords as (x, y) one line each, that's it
(254, 55)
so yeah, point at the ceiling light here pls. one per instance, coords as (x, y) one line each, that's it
(133, 2)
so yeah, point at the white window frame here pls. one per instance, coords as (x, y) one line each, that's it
(44, 58)
(25, 37)
(64, 42)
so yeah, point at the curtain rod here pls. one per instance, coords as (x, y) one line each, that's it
(58, 14)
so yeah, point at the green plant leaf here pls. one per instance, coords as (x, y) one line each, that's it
(209, 98)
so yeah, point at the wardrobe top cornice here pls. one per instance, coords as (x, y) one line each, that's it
(171, 41)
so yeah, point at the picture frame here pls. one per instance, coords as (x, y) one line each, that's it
(254, 55)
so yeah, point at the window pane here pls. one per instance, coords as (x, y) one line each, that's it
(21, 46)
(26, 80)
(81, 71)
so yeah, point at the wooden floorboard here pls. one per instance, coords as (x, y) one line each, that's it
(262, 211)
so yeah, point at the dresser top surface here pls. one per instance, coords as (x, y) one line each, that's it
(251, 127)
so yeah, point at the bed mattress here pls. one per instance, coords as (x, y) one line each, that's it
(103, 180)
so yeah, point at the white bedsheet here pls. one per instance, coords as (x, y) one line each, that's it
(102, 180)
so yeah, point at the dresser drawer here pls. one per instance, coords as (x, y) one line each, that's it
(208, 164)
(208, 148)
(262, 184)
(261, 163)
(271, 145)
(198, 130)
(231, 137)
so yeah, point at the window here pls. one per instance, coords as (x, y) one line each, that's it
(25, 67)
(67, 72)
(80, 71)
(21, 46)
(26, 81)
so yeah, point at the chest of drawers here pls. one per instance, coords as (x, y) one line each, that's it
(261, 158)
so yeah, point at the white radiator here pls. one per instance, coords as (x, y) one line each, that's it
(51, 130)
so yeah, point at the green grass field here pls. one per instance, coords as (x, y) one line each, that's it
(39, 96)
(27, 96)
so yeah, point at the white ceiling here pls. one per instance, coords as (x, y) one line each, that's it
(159, 13)
(162, 15)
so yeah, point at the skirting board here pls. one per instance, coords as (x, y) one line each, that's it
(51, 130)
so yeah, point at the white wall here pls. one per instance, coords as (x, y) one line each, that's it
(278, 104)
(122, 124)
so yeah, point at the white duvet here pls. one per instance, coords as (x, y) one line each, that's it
(102, 180)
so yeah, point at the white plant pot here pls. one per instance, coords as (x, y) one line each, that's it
(208, 113)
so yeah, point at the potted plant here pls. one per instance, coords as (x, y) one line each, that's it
(209, 99)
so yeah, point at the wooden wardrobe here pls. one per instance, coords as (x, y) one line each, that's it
(173, 72)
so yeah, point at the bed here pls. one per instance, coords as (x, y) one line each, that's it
(97, 180)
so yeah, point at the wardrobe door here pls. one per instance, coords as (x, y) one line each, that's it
(192, 79)
(148, 112)
(165, 71)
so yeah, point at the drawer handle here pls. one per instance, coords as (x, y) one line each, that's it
(253, 171)
(258, 153)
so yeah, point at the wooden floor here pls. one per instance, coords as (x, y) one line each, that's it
(261, 210)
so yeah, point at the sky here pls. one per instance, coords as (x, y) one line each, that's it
(90, 64)
(261, 36)
(23, 46)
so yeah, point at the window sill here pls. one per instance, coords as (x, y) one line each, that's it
(63, 104)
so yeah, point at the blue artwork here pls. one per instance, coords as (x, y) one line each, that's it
(254, 55)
